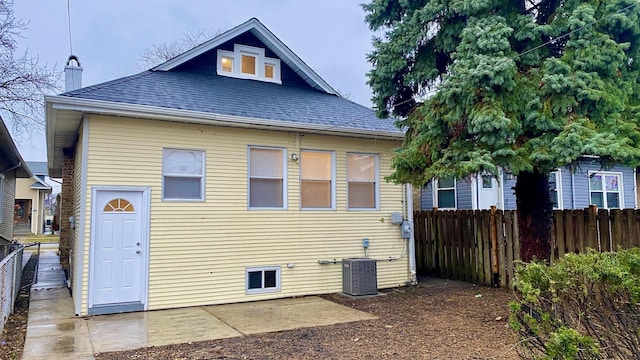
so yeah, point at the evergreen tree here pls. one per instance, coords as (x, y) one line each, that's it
(526, 86)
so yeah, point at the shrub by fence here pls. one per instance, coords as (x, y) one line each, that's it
(480, 246)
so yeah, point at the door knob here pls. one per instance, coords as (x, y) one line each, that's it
(137, 251)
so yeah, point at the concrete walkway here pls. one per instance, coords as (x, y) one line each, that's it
(54, 332)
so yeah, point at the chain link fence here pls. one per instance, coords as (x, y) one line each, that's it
(11, 275)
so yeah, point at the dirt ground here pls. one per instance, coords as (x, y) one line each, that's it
(440, 320)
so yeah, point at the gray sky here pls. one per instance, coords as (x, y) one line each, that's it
(109, 36)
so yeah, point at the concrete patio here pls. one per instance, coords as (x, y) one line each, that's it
(54, 332)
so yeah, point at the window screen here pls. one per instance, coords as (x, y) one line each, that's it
(362, 186)
(183, 174)
(316, 179)
(266, 178)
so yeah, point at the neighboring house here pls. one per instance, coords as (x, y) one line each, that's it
(571, 188)
(31, 196)
(11, 167)
(231, 173)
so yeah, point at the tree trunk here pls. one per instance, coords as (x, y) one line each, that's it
(534, 215)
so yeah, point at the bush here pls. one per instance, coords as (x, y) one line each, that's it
(583, 307)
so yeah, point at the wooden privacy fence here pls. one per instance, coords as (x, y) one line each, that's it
(480, 246)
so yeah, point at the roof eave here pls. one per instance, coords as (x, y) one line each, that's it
(19, 165)
(190, 116)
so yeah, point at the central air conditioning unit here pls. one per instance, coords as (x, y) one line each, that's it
(359, 276)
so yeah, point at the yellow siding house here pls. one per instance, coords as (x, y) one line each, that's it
(230, 173)
(30, 211)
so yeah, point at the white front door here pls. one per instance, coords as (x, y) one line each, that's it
(488, 192)
(118, 251)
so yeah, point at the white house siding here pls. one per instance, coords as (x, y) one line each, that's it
(199, 250)
(8, 191)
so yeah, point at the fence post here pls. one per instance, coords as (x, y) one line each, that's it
(495, 266)
(592, 228)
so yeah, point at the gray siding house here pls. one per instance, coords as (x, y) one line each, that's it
(11, 167)
(574, 187)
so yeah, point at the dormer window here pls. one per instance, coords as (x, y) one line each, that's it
(227, 64)
(248, 62)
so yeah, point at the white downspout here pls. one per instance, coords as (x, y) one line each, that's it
(635, 189)
(412, 241)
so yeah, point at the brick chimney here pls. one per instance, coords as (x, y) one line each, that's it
(72, 74)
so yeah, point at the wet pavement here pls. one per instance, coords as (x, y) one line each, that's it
(54, 332)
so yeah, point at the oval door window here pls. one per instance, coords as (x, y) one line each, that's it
(118, 205)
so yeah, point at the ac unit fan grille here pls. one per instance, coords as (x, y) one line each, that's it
(359, 276)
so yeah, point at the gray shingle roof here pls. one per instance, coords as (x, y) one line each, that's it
(37, 167)
(238, 97)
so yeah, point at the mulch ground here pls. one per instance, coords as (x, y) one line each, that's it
(15, 329)
(439, 320)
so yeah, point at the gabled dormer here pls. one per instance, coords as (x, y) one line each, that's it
(248, 62)
(248, 51)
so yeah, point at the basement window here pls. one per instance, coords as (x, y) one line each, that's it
(262, 279)
(248, 62)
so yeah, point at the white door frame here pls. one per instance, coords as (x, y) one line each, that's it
(145, 227)
(476, 184)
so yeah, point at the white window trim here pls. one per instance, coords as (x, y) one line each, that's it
(262, 290)
(261, 60)
(202, 177)
(333, 180)
(285, 183)
(604, 191)
(276, 70)
(558, 175)
(376, 181)
(229, 54)
(435, 194)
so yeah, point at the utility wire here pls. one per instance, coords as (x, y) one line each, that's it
(513, 57)
(69, 21)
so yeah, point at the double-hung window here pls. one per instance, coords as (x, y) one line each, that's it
(554, 189)
(362, 184)
(183, 174)
(605, 190)
(317, 180)
(446, 193)
(267, 185)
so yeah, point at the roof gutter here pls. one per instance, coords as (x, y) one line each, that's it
(205, 118)
(12, 168)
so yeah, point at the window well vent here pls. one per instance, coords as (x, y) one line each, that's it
(359, 276)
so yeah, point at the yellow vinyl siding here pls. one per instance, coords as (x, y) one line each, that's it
(199, 249)
(78, 285)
